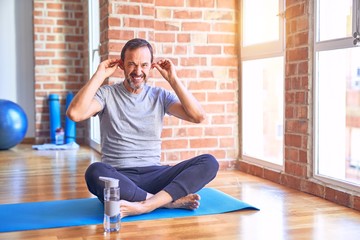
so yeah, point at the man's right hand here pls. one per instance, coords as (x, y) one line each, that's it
(107, 68)
(83, 104)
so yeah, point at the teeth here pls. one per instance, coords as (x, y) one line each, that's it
(137, 78)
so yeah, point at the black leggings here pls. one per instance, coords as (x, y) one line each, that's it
(180, 180)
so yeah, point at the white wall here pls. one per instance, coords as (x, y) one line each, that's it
(17, 57)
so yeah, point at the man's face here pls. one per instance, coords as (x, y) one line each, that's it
(136, 66)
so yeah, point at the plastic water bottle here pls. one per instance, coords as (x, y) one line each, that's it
(54, 110)
(112, 217)
(59, 136)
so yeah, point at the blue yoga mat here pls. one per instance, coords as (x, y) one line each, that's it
(79, 212)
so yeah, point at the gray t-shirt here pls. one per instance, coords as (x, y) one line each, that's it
(131, 124)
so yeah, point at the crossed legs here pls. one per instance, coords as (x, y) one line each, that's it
(145, 189)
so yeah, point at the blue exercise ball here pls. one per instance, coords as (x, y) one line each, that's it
(13, 124)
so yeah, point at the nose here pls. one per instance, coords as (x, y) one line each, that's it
(138, 70)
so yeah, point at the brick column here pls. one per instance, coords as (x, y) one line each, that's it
(121, 21)
(58, 51)
(297, 93)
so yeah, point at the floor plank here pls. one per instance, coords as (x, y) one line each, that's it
(27, 175)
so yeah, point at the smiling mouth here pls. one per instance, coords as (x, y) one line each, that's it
(137, 78)
(136, 81)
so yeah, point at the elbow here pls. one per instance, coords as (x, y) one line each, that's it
(200, 118)
(72, 115)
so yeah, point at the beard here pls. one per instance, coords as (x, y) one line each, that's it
(132, 85)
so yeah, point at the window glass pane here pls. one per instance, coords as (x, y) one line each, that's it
(260, 21)
(263, 109)
(334, 19)
(338, 114)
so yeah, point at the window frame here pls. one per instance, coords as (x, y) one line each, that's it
(257, 52)
(319, 46)
(265, 50)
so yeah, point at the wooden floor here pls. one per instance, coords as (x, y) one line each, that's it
(27, 175)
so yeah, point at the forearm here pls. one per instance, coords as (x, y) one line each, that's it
(191, 106)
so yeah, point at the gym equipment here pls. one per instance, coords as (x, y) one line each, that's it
(54, 111)
(13, 124)
(70, 127)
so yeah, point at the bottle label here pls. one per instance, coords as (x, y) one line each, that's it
(59, 136)
(112, 208)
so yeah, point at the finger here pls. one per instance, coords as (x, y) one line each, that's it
(113, 62)
(166, 63)
(157, 66)
(161, 62)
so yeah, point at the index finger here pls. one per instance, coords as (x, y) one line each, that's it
(113, 62)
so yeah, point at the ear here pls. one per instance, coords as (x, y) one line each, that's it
(121, 64)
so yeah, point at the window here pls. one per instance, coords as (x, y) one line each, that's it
(337, 92)
(262, 88)
(94, 61)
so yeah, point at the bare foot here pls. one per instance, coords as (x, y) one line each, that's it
(131, 208)
(190, 202)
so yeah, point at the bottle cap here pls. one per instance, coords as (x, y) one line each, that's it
(110, 182)
(59, 130)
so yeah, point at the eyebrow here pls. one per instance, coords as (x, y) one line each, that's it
(144, 63)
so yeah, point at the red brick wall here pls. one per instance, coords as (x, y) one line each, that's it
(59, 60)
(200, 37)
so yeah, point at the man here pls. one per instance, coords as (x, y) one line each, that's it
(131, 116)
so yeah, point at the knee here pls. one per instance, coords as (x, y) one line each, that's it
(92, 174)
(94, 171)
(211, 163)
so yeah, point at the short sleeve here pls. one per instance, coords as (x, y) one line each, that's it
(169, 99)
(100, 96)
